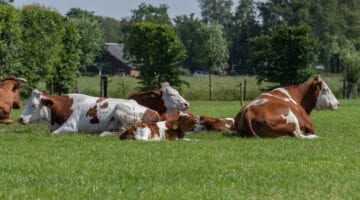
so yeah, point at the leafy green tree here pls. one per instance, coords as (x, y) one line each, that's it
(42, 33)
(349, 60)
(214, 54)
(156, 50)
(67, 71)
(149, 13)
(92, 42)
(216, 11)
(285, 55)
(10, 41)
(115, 30)
(244, 27)
(188, 30)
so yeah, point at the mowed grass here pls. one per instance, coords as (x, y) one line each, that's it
(37, 165)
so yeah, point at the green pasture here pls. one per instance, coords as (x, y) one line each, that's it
(224, 88)
(37, 165)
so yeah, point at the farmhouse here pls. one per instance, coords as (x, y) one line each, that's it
(119, 65)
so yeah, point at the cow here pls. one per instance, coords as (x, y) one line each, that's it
(165, 99)
(285, 111)
(206, 123)
(82, 113)
(9, 98)
(162, 130)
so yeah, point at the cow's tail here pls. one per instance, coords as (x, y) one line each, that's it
(243, 124)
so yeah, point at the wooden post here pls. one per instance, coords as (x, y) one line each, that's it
(241, 94)
(244, 90)
(103, 86)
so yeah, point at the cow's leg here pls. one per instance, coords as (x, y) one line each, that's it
(5, 113)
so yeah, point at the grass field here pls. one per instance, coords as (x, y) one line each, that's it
(37, 165)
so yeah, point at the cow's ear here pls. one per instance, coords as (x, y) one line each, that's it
(155, 93)
(16, 86)
(317, 86)
(47, 102)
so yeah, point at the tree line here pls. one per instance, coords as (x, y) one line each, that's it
(276, 39)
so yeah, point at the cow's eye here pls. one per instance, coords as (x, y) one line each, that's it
(171, 95)
(34, 106)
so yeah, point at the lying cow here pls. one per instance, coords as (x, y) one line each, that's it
(82, 113)
(163, 100)
(9, 98)
(207, 123)
(162, 130)
(285, 111)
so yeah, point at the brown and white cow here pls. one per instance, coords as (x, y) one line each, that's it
(9, 97)
(285, 111)
(165, 99)
(206, 123)
(162, 130)
(82, 113)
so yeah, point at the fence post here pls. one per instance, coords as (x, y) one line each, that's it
(241, 93)
(103, 86)
(244, 92)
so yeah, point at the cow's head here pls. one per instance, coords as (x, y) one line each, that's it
(186, 122)
(172, 99)
(12, 87)
(326, 99)
(35, 110)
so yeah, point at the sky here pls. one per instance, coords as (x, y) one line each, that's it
(115, 8)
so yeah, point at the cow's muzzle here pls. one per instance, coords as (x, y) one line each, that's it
(23, 120)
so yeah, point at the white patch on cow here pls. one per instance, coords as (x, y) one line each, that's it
(258, 102)
(143, 133)
(326, 99)
(291, 119)
(284, 91)
(162, 129)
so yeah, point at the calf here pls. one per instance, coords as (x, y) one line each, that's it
(285, 111)
(214, 124)
(163, 100)
(162, 130)
(9, 98)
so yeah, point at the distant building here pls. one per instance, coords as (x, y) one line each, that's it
(118, 64)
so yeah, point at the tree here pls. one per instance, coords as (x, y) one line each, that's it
(216, 11)
(215, 53)
(349, 59)
(42, 33)
(92, 42)
(244, 27)
(188, 30)
(10, 41)
(156, 50)
(149, 13)
(67, 71)
(285, 56)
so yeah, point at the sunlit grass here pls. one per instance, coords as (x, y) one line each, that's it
(37, 165)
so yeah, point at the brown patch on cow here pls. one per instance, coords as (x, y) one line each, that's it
(104, 105)
(151, 99)
(60, 107)
(100, 99)
(150, 116)
(92, 112)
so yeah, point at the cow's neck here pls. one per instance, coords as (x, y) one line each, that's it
(61, 109)
(306, 96)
